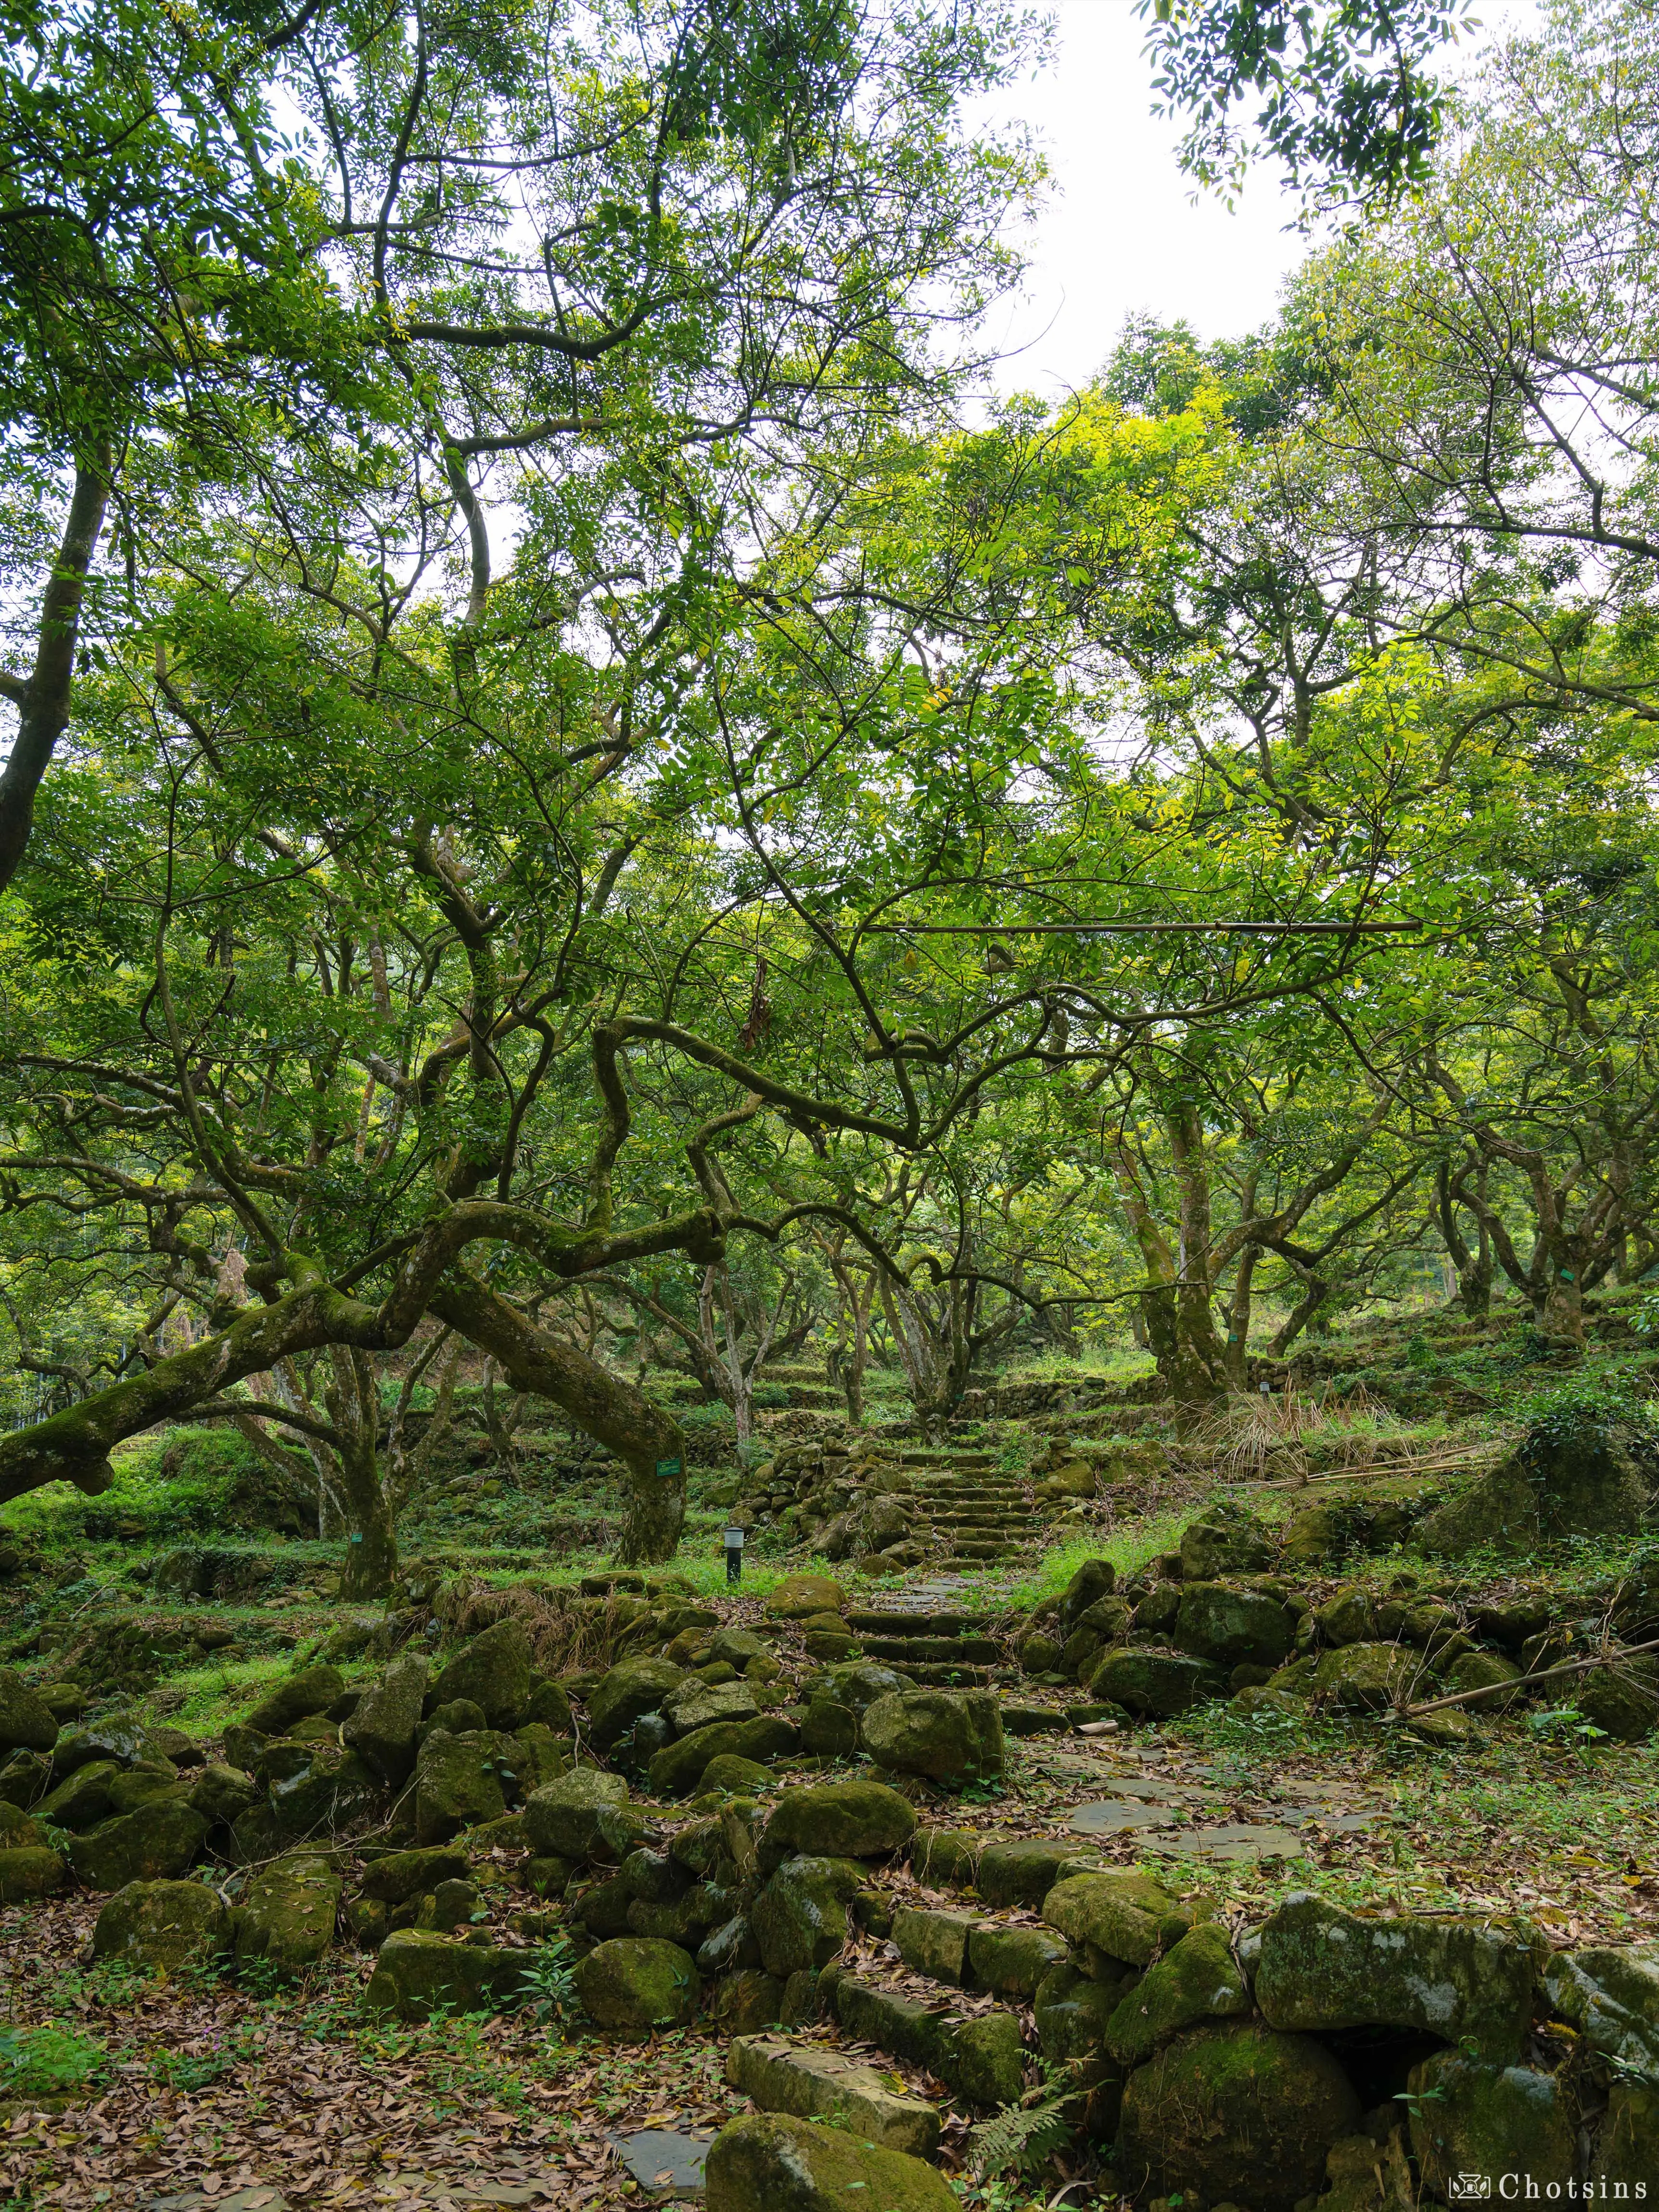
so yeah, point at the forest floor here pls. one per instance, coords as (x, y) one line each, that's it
(235, 2090)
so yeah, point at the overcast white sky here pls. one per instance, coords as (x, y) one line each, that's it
(1121, 231)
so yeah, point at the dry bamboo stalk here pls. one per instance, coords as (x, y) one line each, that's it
(1525, 1681)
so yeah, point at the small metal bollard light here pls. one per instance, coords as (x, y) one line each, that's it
(734, 1555)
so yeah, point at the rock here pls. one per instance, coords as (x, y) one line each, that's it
(1626, 2153)
(285, 1913)
(565, 1816)
(144, 1786)
(1498, 1512)
(119, 1739)
(460, 1717)
(797, 1597)
(1073, 2012)
(1312, 1536)
(222, 1794)
(1237, 2110)
(1488, 1671)
(856, 1684)
(1256, 1702)
(1023, 1873)
(1236, 1546)
(315, 1788)
(1367, 1678)
(403, 1874)
(1197, 1979)
(676, 1770)
(30, 1871)
(1095, 1579)
(631, 1689)
(382, 1731)
(744, 2001)
(982, 2060)
(946, 1858)
(494, 1671)
(736, 1646)
(1160, 1684)
(799, 1918)
(1348, 1618)
(1012, 1961)
(1321, 1968)
(934, 1943)
(17, 1828)
(1124, 1915)
(738, 1778)
(837, 1819)
(82, 1799)
(772, 2162)
(1467, 2118)
(816, 2083)
(460, 1781)
(698, 1705)
(26, 1719)
(311, 1690)
(1622, 1701)
(948, 1736)
(1038, 1653)
(24, 1777)
(418, 1972)
(549, 1706)
(156, 1843)
(1610, 1994)
(635, 1983)
(164, 1926)
(1232, 1627)
(829, 1731)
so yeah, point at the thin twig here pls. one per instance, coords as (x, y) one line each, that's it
(1525, 1681)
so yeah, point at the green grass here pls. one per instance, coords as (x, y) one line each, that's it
(1128, 1550)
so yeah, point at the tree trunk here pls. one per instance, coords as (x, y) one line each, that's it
(370, 1566)
(1238, 1356)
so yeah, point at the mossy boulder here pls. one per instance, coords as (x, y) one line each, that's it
(1348, 1618)
(1127, 1916)
(381, 1730)
(1197, 1978)
(298, 1695)
(1610, 1994)
(677, 1770)
(780, 2074)
(828, 1730)
(799, 1918)
(82, 1799)
(1237, 2110)
(1233, 1627)
(1094, 1579)
(285, 1913)
(697, 1704)
(403, 1874)
(494, 1671)
(161, 1925)
(567, 1816)
(797, 1597)
(1489, 1671)
(1072, 2013)
(1321, 1969)
(1013, 1962)
(419, 1970)
(743, 2001)
(1225, 1544)
(635, 1984)
(946, 1736)
(772, 2162)
(222, 1794)
(25, 1720)
(838, 1820)
(738, 1778)
(313, 1789)
(632, 1688)
(28, 1871)
(1157, 1684)
(461, 1781)
(946, 1858)
(1626, 2150)
(157, 1843)
(1023, 1872)
(1622, 1701)
(855, 1683)
(1366, 1678)
(1469, 2118)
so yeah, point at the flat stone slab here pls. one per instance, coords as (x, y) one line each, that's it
(1114, 1819)
(664, 2161)
(1236, 1843)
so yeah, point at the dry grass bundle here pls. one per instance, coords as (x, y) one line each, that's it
(567, 1631)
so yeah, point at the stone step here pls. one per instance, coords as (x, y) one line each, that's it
(974, 1950)
(981, 2060)
(813, 2082)
(918, 1623)
(968, 1650)
(935, 1675)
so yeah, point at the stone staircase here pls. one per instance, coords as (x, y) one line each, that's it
(939, 1651)
(981, 1516)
